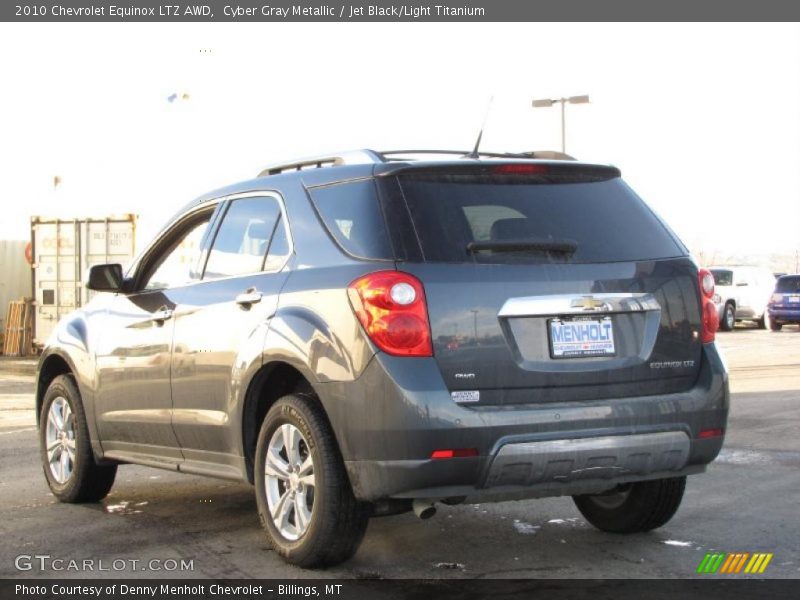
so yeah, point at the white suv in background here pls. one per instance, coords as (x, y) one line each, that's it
(742, 294)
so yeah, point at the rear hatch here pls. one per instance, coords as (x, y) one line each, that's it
(787, 292)
(545, 282)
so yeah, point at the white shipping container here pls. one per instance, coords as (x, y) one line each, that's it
(63, 250)
(15, 275)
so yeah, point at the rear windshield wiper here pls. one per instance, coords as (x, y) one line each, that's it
(544, 245)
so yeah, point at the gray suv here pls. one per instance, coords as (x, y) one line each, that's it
(370, 333)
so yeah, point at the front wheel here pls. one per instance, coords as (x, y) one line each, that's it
(303, 494)
(633, 507)
(67, 457)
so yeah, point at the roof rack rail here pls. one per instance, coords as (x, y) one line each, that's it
(352, 157)
(541, 154)
(366, 156)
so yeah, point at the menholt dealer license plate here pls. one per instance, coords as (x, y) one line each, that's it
(581, 337)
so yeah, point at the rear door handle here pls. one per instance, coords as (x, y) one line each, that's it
(161, 315)
(249, 297)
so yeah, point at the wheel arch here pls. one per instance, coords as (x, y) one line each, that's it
(272, 381)
(50, 366)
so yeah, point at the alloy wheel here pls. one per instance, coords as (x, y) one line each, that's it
(290, 482)
(60, 440)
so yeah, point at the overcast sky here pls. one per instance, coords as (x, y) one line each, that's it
(703, 120)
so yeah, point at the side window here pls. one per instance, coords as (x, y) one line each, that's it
(176, 266)
(352, 215)
(242, 239)
(278, 248)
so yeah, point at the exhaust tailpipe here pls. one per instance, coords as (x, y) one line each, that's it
(423, 508)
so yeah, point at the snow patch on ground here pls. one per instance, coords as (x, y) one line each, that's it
(525, 528)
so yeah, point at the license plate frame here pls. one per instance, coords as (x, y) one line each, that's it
(562, 349)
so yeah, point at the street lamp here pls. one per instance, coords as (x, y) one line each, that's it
(548, 102)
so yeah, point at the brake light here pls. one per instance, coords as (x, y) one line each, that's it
(776, 299)
(520, 169)
(709, 318)
(391, 307)
(455, 453)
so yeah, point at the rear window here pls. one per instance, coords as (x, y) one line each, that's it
(722, 276)
(788, 284)
(352, 215)
(489, 219)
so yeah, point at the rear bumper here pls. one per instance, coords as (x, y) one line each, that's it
(390, 421)
(785, 315)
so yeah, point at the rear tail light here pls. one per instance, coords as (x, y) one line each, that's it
(455, 453)
(710, 433)
(709, 317)
(390, 305)
(776, 299)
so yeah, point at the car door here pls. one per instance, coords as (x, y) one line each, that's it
(134, 396)
(220, 326)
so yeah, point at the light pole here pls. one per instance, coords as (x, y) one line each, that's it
(548, 102)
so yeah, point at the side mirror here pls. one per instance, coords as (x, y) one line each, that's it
(105, 278)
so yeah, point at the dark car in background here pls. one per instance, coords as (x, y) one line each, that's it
(784, 306)
(364, 334)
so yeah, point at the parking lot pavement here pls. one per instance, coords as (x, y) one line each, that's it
(747, 502)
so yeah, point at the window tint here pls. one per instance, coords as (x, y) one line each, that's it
(243, 238)
(481, 219)
(353, 217)
(722, 276)
(788, 285)
(605, 218)
(177, 266)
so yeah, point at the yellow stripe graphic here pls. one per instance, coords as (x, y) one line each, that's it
(751, 564)
(765, 563)
(756, 564)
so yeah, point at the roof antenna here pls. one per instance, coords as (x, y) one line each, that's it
(474, 153)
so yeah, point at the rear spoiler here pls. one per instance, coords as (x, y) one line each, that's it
(509, 171)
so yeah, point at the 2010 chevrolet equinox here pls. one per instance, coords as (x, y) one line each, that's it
(365, 334)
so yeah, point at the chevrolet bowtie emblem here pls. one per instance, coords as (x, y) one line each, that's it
(589, 303)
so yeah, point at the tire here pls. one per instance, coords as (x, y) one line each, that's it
(775, 326)
(323, 524)
(728, 321)
(765, 322)
(635, 508)
(73, 475)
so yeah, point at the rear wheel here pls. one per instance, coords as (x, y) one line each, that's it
(67, 457)
(765, 322)
(775, 326)
(634, 507)
(304, 497)
(728, 321)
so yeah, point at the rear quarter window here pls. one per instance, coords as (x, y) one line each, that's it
(352, 215)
